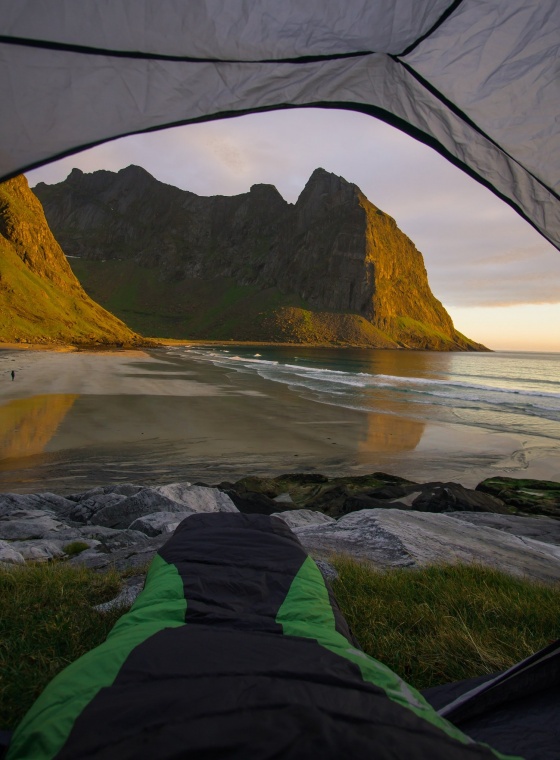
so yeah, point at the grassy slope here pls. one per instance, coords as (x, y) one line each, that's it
(221, 310)
(40, 299)
(431, 626)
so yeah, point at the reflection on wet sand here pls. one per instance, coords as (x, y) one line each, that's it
(28, 424)
(389, 434)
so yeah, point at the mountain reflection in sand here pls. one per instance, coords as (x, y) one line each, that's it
(28, 424)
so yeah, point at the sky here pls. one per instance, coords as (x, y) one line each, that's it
(498, 278)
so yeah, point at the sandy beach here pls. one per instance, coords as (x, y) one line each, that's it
(71, 420)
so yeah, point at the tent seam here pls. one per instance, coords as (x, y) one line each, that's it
(370, 110)
(444, 16)
(466, 118)
(138, 55)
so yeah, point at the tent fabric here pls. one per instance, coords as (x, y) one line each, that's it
(475, 79)
(516, 711)
(234, 649)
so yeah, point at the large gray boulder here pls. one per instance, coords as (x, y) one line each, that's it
(25, 524)
(160, 522)
(544, 529)
(51, 502)
(298, 518)
(123, 513)
(396, 538)
(9, 556)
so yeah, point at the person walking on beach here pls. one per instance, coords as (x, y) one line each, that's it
(13, 374)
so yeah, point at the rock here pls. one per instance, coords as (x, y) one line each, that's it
(85, 510)
(39, 551)
(175, 491)
(122, 489)
(397, 538)
(363, 501)
(327, 570)
(452, 497)
(149, 500)
(160, 522)
(9, 556)
(297, 518)
(121, 513)
(359, 535)
(538, 497)
(253, 503)
(544, 529)
(203, 499)
(50, 502)
(125, 598)
(137, 555)
(120, 539)
(283, 498)
(29, 524)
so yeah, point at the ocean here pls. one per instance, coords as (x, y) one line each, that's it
(505, 392)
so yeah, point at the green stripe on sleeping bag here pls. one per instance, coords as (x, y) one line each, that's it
(46, 727)
(307, 612)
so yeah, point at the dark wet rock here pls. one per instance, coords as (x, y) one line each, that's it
(452, 497)
(538, 497)
(316, 491)
(251, 503)
(544, 529)
(363, 501)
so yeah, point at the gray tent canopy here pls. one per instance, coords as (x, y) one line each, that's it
(475, 79)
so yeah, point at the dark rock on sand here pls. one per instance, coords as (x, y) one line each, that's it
(452, 497)
(251, 503)
(538, 497)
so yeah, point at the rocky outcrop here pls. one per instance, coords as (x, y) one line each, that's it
(44, 527)
(41, 301)
(541, 497)
(331, 268)
(392, 538)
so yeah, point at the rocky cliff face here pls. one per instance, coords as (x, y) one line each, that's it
(333, 267)
(41, 301)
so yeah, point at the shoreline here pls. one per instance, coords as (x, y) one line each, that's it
(82, 418)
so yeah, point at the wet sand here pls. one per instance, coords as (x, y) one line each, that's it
(71, 420)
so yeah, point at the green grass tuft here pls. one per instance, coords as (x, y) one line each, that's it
(47, 622)
(74, 548)
(440, 624)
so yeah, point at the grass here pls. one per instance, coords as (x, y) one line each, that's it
(47, 622)
(441, 624)
(74, 548)
(431, 626)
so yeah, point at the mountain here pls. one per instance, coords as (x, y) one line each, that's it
(41, 301)
(330, 268)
